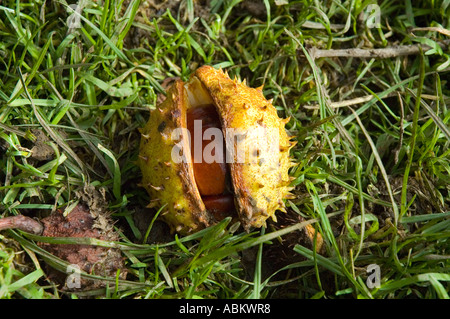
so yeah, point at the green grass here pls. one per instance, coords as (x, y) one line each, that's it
(372, 177)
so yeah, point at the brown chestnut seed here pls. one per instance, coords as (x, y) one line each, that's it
(210, 177)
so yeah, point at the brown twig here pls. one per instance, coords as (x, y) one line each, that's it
(350, 102)
(21, 222)
(366, 98)
(382, 53)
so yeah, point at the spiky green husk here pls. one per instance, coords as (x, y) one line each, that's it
(260, 181)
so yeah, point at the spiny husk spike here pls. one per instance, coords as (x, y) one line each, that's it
(156, 188)
(285, 186)
(292, 144)
(153, 203)
(286, 120)
(144, 158)
(282, 207)
(290, 196)
(274, 218)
